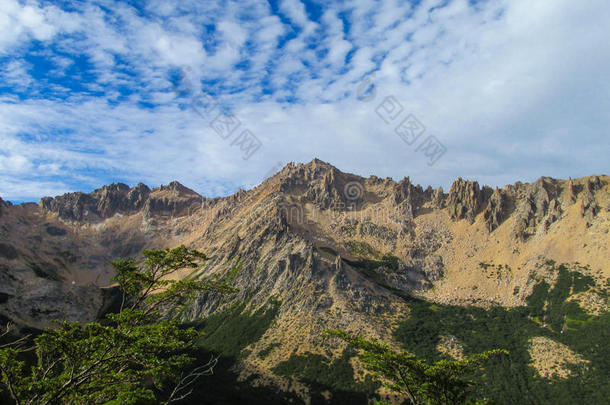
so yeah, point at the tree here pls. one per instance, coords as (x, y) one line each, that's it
(444, 382)
(134, 356)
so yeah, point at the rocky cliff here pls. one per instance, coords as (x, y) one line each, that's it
(119, 199)
(332, 248)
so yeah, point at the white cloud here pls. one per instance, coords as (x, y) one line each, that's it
(15, 73)
(514, 89)
(295, 11)
(23, 22)
(13, 164)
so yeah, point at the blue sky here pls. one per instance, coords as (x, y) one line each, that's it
(95, 92)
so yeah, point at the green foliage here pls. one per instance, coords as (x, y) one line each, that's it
(390, 261)
(234, 272)
(228, 332)
(537, 300)
(267, 350)
(321, 375)
(510, 380)
(493, 271)
(370, 258)
(227, 388)
(362, 249)
(134, 357)
(484, 265)
(444, 382)
(568, 283)
(370, 268)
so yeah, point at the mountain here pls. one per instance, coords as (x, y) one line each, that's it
(313, 248)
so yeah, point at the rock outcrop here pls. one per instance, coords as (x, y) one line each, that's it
(70, 207)
(119, 199)
(465, 200)
(409, 198)
(332, 249)
(589, 206)
(536, 206)
(172, 200)
(438, 198)
(539, 205)
(495, 211)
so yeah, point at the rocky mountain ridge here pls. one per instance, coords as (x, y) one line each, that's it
(120, 199)
(381, 216)
(333, 249)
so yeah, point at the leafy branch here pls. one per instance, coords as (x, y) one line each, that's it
(444, 382)
(135, 355)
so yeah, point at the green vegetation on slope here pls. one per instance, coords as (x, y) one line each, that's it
(325, 375)
(225, 387)
(510, 380)
(362, 249)
(267, 350)
(441, 383)
(228, 332)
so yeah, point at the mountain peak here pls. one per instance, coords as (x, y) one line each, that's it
(177, 188)
(330, 249)
(114, 187)
(302, 170)
(119, 198)
(318, 162)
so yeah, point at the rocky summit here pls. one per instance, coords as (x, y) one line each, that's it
(313, 248)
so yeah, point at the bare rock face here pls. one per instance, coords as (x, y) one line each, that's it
(315, 183)
(70, 207)
(404, 197)
(111, 199)
(569, 196)
(540, 205)
(172, 200)
(589, 207)
(102, 203)
(465, 200)
(36, 302)
(496, 210)
(403, 190)
(433, 267)
(525, 225)
(554, 213)
(408, 197)
(322, 184)
(439, 198)
(119, 199)
(138, 195)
